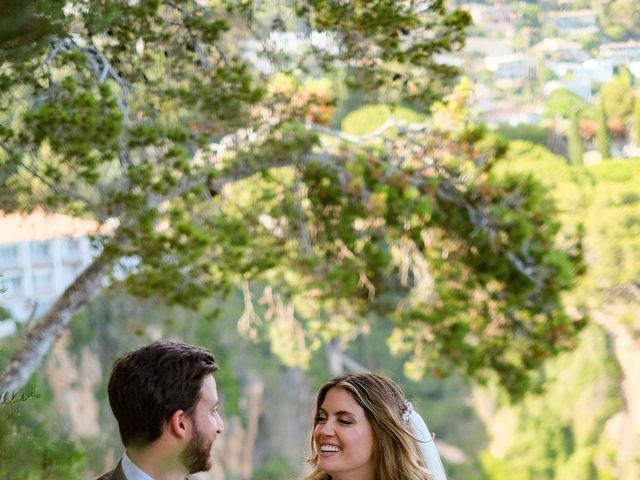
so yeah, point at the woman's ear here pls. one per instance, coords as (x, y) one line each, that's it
(179, 424)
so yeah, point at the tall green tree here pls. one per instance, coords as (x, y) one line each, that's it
(603, 137)
(210, 174)
(636, 118)
(617, 97)
(575, 144)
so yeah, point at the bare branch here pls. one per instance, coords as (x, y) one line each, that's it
(98, 65)
(202, 54)
(249, 318)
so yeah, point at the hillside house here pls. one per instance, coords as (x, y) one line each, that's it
(40, 255)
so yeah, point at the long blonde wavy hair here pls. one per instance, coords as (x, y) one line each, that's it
(396, 454)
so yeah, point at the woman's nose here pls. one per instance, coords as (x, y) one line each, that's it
(327, 429)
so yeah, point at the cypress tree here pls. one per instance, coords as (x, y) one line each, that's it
(603, 137)
(636, 118)
(574, 140)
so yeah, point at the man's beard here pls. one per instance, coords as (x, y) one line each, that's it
(196, 457)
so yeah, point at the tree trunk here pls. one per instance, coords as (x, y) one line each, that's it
(41, 335)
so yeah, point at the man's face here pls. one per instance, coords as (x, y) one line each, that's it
(207, 424)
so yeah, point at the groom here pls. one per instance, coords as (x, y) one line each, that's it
(165, 400)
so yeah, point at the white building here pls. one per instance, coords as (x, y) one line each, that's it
(498, 17)
(575, 22)
(620, 53)
(592, 71)
(508, 113)
(510, 67)
(485, 46)
(286, 47)
(40, 255)
(634, 68)
(559, 50)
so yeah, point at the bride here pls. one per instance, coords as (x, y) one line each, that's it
(364, 429)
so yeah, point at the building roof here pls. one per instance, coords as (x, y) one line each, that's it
(586, 13)
(555, 44)
(38, 225)
(629, 44)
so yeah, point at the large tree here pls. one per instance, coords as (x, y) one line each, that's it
(617, 97)
(213, 174)
(620, 19)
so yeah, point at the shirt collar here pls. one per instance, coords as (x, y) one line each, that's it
(131, 470)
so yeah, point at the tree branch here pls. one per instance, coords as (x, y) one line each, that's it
(41, 335)
(202, 55)
(98, 65)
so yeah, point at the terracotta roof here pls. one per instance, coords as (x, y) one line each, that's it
(23, 227)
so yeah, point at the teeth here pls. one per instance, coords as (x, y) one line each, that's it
(329, 448)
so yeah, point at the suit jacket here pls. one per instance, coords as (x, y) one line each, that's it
(115, 474)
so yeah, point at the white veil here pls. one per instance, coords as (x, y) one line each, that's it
(427, 444)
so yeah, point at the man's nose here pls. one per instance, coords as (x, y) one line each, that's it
(220, 426)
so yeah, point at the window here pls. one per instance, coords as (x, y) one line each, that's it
(71, 249)
(39, 251)
(42, 282)
(8, 256)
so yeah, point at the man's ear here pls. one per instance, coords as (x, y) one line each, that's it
(179, 424)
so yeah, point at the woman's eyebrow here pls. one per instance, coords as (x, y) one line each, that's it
(344, 412)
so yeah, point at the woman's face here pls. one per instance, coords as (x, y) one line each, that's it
(344, 438)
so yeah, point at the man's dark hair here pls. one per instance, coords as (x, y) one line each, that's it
(149, 384)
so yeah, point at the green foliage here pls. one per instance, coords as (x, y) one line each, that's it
(613, 223)
(537, 134)
(558, 434)
(31, 446)
(602, 200)
(28, 454)
(603, 137)
(617, 97)
(274, 469)
(25, 27)
(636, 118)
(382, 26)
(529, 15)
(368, 118)
(562, 103)
(214, 175)
(620, 19)
(574, 141)
(89, 125)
